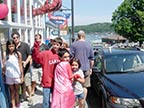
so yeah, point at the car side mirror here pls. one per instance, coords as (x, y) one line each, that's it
(95, 69)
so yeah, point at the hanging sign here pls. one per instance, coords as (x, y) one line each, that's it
(55, 32)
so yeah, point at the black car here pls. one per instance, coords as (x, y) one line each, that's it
(118, 78)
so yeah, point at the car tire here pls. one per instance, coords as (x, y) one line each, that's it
(102, 102)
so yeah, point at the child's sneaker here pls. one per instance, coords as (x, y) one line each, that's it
(19, 105)
(30, 102)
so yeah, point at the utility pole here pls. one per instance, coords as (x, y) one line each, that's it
(72, 20)
(71, 30)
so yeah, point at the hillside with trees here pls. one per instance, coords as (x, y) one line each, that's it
(95, 28)
(127, 21)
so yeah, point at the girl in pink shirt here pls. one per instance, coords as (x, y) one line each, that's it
(63, 95)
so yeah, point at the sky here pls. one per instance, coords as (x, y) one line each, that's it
(91, 11)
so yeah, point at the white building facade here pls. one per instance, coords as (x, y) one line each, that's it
(20, 18)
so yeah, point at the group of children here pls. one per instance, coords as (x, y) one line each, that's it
(67, 82)
(65, 79)
(61, 74)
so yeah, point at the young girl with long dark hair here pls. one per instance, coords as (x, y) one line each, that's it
(13, 72)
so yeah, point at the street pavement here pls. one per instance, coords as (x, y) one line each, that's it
(37, 100)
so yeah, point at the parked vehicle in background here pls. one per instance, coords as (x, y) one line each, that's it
(118, 77)
(97, 47)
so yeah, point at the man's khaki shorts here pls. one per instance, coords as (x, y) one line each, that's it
(27, 79)
(87, 79)
(36, 74)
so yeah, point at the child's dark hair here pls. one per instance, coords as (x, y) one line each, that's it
(58, 40)
(62, 51)
(9, 42)
(40, 36)
(75, 60)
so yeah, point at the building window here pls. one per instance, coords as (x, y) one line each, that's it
(23, 34)
(28, 12)
(14, 11)
(22, 11)
(4, 35)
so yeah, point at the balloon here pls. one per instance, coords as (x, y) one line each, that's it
(4, 11)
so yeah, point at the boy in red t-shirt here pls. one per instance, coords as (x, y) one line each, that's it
(48, 59)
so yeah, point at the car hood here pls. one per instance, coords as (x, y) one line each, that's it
(129, 85)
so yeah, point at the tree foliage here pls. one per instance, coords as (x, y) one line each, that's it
(128, 20)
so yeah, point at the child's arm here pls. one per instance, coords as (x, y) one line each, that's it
(20, 66)
(77, 77)
(37, 55)
(69, 72)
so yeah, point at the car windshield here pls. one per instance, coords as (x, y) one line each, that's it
(120, 63)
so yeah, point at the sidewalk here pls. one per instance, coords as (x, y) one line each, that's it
(37, 100)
